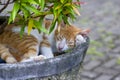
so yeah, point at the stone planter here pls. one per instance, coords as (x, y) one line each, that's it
(62, 67)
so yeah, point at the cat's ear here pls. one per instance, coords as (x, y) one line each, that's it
(62, 24)
(79, 39)
(85, 32)
(47, 23)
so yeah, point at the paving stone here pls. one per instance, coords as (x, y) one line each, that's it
(104, 58)
(86, 60)
(89, 74)
(84, 78)
(92, 64)
(113, 55)
(115, 31)
(106, 71)
(117, 67)
(109, 63)
(117, 77)
(117, 42)
(117, 49)
(104, 77)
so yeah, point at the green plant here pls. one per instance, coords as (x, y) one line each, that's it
(27, 11)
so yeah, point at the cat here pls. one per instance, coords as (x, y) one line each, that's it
(15, 49)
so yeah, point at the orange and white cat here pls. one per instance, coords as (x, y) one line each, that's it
(15, 49)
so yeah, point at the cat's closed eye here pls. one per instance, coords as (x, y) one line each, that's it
(70, 44)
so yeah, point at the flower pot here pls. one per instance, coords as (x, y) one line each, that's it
(62, 67)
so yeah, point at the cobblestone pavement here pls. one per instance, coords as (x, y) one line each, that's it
(102, 61)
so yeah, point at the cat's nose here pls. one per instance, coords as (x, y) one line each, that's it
(60, 48)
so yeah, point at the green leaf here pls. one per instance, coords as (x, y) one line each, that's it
(28, 1)
(60, 10)
(72, 17)
(62, 1)
(25, 12)
(41, 20)
(39, 1)
(10, 20)
(65, 19)
(20, 21)
(36, 25)
(30, 8)
(30, 25)
(14, 12)
(43, 29)
(68, 10)
(67, 4)
(76, 10)
(22, 31)
(55, 14)
(42, 4)
(60, 17)
(52, 26)
(39, 26)
(58, 7)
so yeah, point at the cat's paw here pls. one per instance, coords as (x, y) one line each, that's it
(40, 57)
(35, 58)
(26, 60)
(11, 60)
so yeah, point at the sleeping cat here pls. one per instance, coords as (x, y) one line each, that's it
(14, 49)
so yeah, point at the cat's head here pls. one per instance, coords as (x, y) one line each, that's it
(68, 37)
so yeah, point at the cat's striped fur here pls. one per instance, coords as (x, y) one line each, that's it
(18, 48)
(14, 49)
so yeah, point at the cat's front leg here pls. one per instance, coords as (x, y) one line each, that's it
(40, 57)
(45, 49)
(32, 55)
(35, 58)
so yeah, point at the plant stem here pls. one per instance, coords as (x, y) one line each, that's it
(43, 14)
